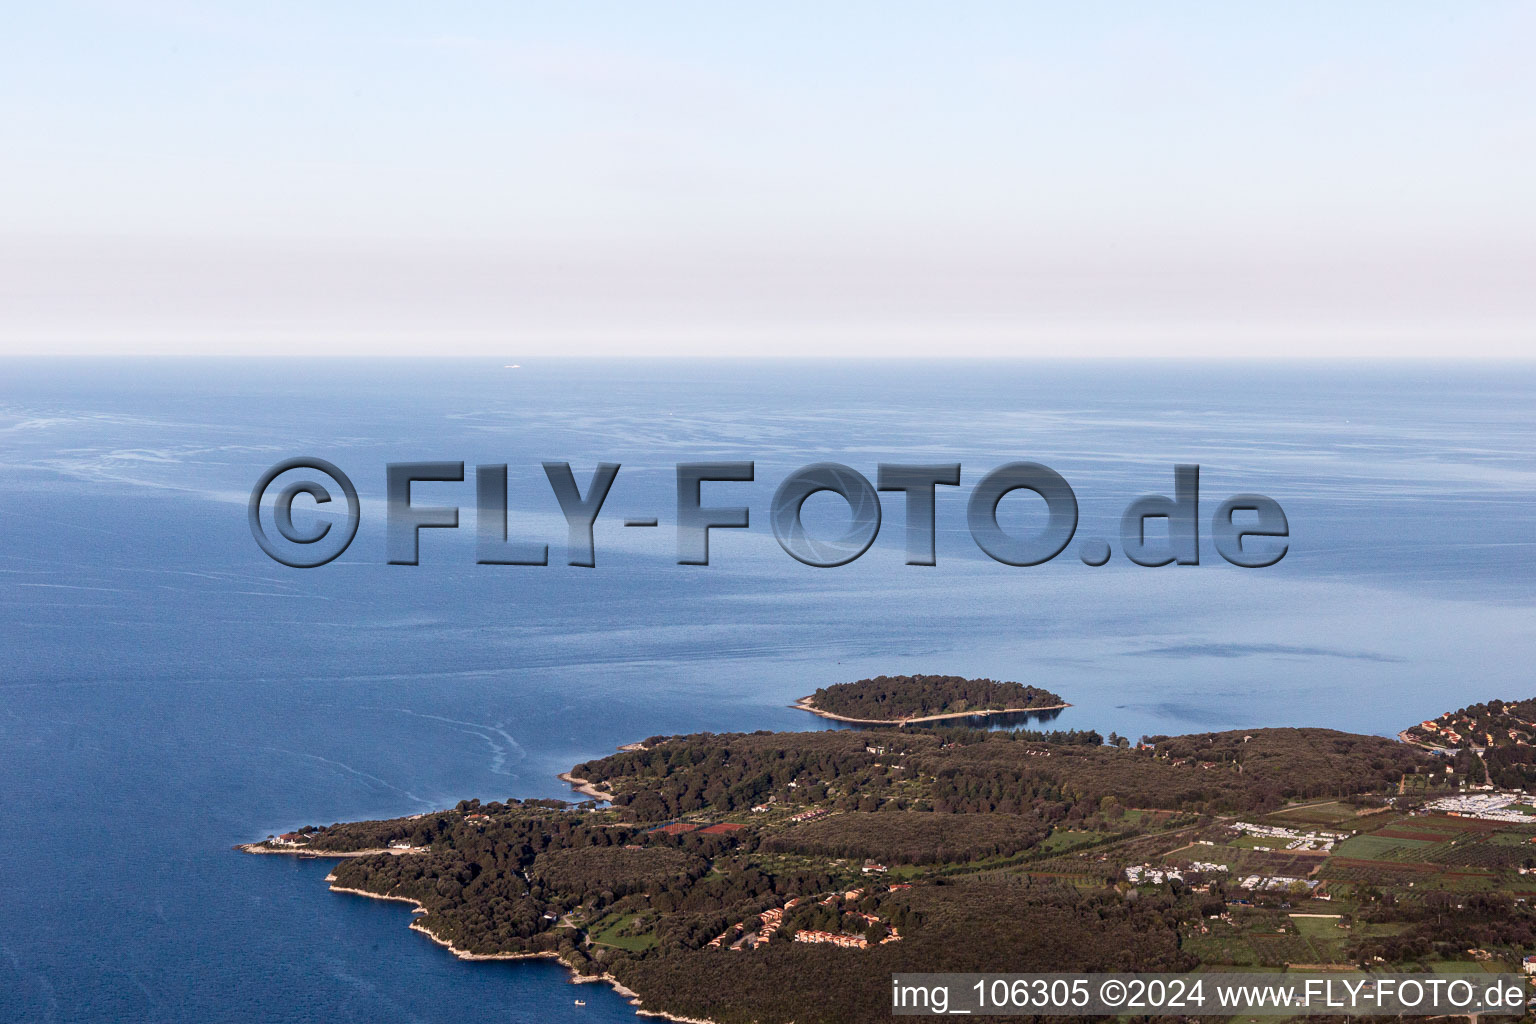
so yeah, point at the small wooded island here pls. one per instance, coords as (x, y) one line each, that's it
(907, 700)
(775, 877)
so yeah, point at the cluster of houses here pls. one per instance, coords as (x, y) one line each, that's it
(1293, 839)
(1446, 732)
(1452, 729)
(1205, 867)
(835, 938)
(1497, 806)
(810, 815)
(842, 939)
(1258, 883)
(832, 897)
(772, 920)
(290, 839)
(1145, 874)
(738, 937)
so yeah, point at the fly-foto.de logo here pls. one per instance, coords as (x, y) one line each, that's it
(1248, 530)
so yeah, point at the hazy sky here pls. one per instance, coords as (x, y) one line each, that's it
(788, 178)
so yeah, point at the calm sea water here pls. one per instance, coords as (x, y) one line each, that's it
(167, 691)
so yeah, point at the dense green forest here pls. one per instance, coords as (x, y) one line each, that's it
(716, 880)
(966, 925)
(896, 698)
(911, 837)
(1045, 776)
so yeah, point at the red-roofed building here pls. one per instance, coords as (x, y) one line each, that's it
(834, 938)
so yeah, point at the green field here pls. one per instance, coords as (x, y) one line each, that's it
(1321, 815)
(608, 933)
(1066, 839)
(1228, 948)
(1366, 929)
(1373, 847)
(1229, 856)
(1318, 927)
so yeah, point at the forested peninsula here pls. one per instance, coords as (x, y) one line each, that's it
(776, 877)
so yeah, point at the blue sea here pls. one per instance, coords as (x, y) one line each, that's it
(167, 691)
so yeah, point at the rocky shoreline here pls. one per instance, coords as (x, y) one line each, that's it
(584, 786)
(804, 704)
(577, 978)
